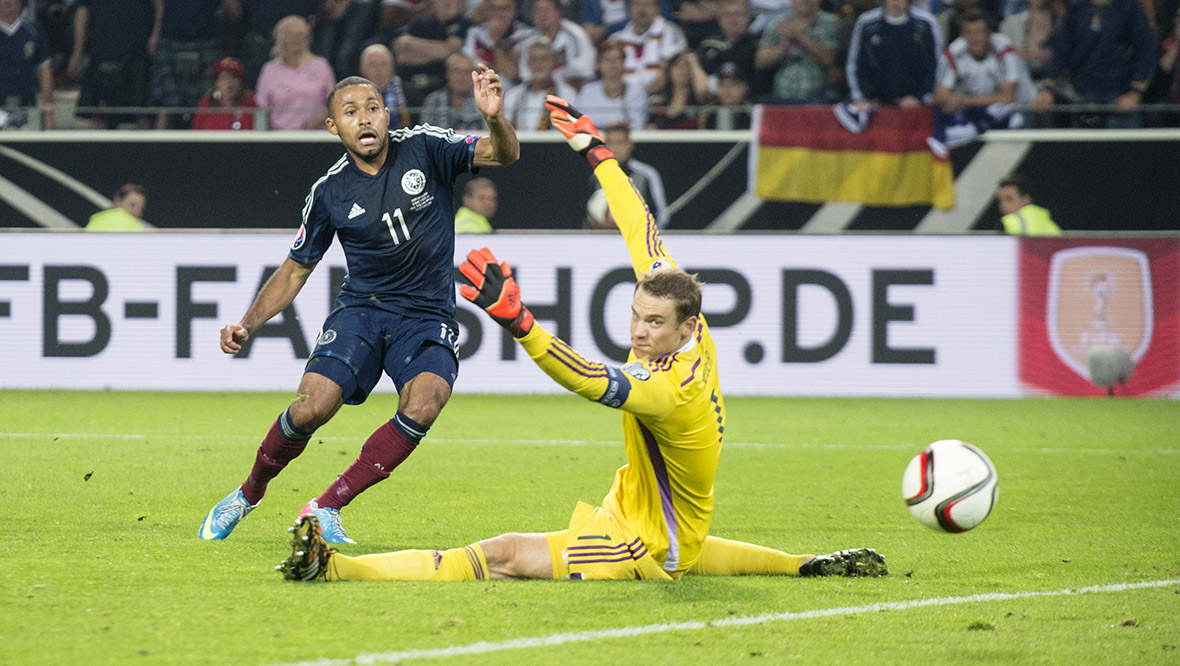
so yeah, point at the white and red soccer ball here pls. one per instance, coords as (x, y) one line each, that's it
(950, 485)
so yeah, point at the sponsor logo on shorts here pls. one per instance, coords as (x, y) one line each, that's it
(413, 182)
(638, 371)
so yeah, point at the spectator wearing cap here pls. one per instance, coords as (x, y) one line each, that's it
(228, 94)
(295, 84)
(190, 42)
(800, 48)
(731, 107)
(732, 42)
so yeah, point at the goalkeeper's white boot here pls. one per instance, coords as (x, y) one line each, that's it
(309, 552)
(853, 562)
(328, 522)
(225, 516)
(579, 131)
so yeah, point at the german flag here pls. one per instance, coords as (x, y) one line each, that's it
(805, 153)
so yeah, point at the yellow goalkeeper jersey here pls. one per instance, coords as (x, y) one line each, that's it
(673, 412)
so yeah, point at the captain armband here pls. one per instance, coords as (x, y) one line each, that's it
(618, 387)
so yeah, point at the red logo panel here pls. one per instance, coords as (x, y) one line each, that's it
(1079, 294)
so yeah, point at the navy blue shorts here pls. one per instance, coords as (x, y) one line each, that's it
(359, 341)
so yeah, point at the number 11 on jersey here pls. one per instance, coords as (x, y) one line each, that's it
(393, 230)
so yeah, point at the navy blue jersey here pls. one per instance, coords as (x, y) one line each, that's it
(397, 228)
(22, 51)
(889, 59)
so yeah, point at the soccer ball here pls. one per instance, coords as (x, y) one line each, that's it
(950, 485)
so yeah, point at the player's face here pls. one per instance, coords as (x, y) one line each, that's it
(654, 330)
(360, 119)
(1010, 200)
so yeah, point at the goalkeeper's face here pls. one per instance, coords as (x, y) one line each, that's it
(655, 332)
(359, 117)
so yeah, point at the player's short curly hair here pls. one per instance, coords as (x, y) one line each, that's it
(672, 283)
(350, 81)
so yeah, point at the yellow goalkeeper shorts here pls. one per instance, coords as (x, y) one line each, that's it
(600, 546)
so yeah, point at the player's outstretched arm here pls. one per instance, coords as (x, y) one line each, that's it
(273, 298)
(500, 147)
(488, 283)
(628, 209)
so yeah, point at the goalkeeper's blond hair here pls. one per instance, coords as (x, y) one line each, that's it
(683, 289)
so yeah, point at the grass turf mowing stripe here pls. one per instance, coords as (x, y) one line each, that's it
(484, 647)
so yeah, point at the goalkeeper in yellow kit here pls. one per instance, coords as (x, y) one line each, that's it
(654, 523)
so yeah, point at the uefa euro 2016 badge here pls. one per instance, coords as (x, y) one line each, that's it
(413, 182)
(299, 238)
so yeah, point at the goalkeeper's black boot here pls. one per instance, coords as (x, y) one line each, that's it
(852, 562)
(309, 552)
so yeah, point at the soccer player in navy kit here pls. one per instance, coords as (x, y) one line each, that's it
(389, 201)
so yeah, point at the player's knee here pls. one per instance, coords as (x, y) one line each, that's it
(501, 553)
(308, 413)
(425, 397)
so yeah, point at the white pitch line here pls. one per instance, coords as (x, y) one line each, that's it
(574, 442)
(484, 647)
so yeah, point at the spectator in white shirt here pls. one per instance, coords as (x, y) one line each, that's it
(575, 52)
(524, 105)
(611, 99)
(649, 41)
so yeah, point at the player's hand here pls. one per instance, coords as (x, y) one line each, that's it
(578, 130)
(489, 284)
(489, 92)
(233, 337)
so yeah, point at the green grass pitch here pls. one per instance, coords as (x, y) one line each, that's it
(103, 494)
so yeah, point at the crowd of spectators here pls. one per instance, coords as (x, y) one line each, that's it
(650, 64)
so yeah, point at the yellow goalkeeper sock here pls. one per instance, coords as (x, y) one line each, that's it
(467, 563)
(723, 557)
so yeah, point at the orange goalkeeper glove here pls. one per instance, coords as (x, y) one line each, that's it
(489, 284)
(579, 131)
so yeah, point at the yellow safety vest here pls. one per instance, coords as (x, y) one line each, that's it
(1030, 221)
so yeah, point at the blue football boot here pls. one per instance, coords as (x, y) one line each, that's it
(225, 516)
